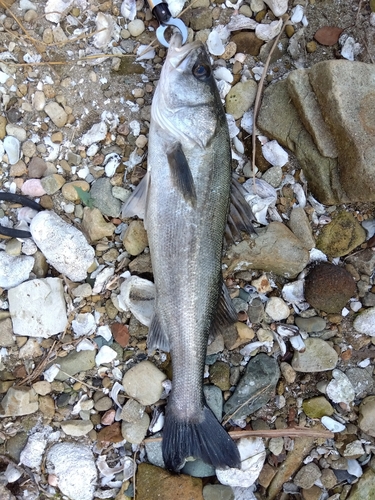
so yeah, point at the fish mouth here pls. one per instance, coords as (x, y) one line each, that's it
(178, 54)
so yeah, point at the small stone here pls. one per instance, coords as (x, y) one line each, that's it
(288, 372)
(120, 333)
(366, 420)
(14, 270)
(353, 450)
(105, 355)
(361, 380)
(307, 475)
(136, 27)
(135, 432)
(75, 362)
(244, 335)
(143, 382)
(135, 238)
(132, 411)
(273, 176)
(311, 47)
(328, 478)
(102, 198)
(33, 188)
(110, 434)
(201, 19)
(43, 387)
(103, 404)
(219, 375)
(276, 445)
(313, 493)
(70, 192)
(18, 169)
(52, 183)
(365, 322)
(3, 122)
(83, 290)
(277, 309)
(19, 401)
(247, 43)
(56, 113)
(317, 407)
(240, 98)
(319, 356)
(329, 287)
(37, 167)
(77, 428)
(364, 488)
(301, 227)
(313, 324)
(341, 236)
(340, 390)
(95, 226)
(217, 492)
(39, 100)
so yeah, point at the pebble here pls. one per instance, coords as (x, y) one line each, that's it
(64, 460)
(247, 43)
(120, 333)
(38, 308)
(217, 492)
(56, 113)
(52, 183)
(42, 387)
(309, 325)
(361, 380)
(135, 238)
(14, 270)
(83, 290)
(95, 226)
(75, 362)
(365, 322)
(319, 356)
(64, 246)
(198, 468)
(329, 287)
(105, 355)
(19, 169)
(19, 401)
(340, 390)
(219, 375)
(244, 335)
(76, 428)
(300, 226)
(16, 131)
(278, 7)
(12, 148)
(261, 376)
(102, 198)
(277, 309)
(132, 411)
(6, 333)
(138, 295)
(366, 419)
(136, 27)
(307, 475)
(240, 98)
(32, 454)
(39, 100)
(276, 445)
(96, 133)
(317, 407)
(342, 235)
(83, 324)
(37, 167)
(143, 382)
(214, 399)
(288, 372)
(3, 122)
(363, 261)
(135, 432)
(273, 176)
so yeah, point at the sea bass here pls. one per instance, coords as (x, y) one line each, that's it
(185, 202)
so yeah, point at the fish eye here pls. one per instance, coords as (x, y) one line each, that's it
(201, 71)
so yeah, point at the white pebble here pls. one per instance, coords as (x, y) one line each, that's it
(278, 7)
(136, 27)
(105, 355)
(238, 145)
(277, 309)
(83, 324)
(275, 154)
(105, 332)
(332, 425)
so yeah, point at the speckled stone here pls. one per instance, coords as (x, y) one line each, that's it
(319, 356)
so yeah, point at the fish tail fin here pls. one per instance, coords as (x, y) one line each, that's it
(203, 438)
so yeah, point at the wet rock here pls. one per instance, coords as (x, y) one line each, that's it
(361, 380)
(329, 287)
(340, 390)
(341, 236)
(319, 356)
(307, 475)
(365, 322)
(276, 249)
(240, 98)
(300, 226)
(366, 420)
(365, 488)
(154, 483)
(102, 198)
(14, 270)
(277, 309)
(64, 460)
(217, 492)
(56, 113)
(19, 401)
(255, 388)
(64, 246)
(351, 121)
(75, 362)
(317, 407)
(135, 238)
(219, 375)
(143, 382)
(135, 432)
(309, 325)
(38, 308)
(77, 428)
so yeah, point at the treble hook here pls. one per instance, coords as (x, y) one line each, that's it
(161, 12)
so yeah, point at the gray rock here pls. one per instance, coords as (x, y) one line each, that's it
(300, 226)
(305, 101)
(340, 389)
(366, 419)
(276, 249)
(102, 198)
(255, 388)
(75, 362)
(14, 270)
(132, 411)
(361, 380)
(214, 400)
(38, 308)
(217, 492)
(319, 356)
(273, 176)
(143, 382)
(135, 432)
(369, 299)
(154, 451)
(64, 460)
(77, 428)
(344, 91)
(365, 322)
(256, 311)
(363, 261)
(19, 401)
(198, 468)
(6, 333)
(313, 324)
(64, 246)
(307, 475)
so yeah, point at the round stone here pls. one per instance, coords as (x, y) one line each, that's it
(136, 27)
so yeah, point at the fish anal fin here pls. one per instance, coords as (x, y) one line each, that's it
(181, 173)
(136, 204)
(240, 214)
(226, 314)
(157, 338)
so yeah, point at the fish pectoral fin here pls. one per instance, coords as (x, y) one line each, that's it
(181, 173)
(240, 214)
(226, 314)
(136, 204)
(157, 338)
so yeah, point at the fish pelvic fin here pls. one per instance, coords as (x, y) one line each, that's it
(181, 173)
(157, 338)
(203, 438)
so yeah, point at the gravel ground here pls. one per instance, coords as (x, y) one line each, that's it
(79, 389)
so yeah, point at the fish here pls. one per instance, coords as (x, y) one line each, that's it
(185, 201)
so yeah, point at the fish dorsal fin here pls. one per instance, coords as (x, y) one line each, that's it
(226, 314)
(181, 173)
(240, 214)
(136, 204)
(157, 338)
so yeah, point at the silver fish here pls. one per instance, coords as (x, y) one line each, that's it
(185, 200)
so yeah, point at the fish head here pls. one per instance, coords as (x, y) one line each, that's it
(187, 104)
